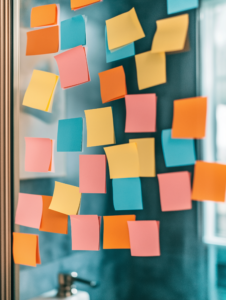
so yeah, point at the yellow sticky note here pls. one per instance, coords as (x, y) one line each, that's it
(40, 92)
(123, 30)
(146, 153)
(66, 199)
(171, 35)
(151, 69)
(100, 127)
(123, 160)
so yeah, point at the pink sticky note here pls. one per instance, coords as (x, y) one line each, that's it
(92, 174)
(73, 67)
(144, 238)
(175, 191)
(38, 154)
(29, 210)
(85, 232)
(141, 113)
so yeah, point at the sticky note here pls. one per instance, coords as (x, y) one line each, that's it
(66, 199)
(29, 210)
(92, 174)
(69, 135)
(177, 152)
(141, 113)
(116, 233)
(113, 84)
(171, 35)
(123, 161)
(52, 221)
(44, 15)
(38, 154)
(151, 69)
(146, 155)
(76, 4)
(175, 6)
(100, 127)
(73, 67)
(189, 118)
(85, 232)
(26, 249)
(73, 32)
(40, 92)
(175, 191)
(144, 238)
(43, 41)
(124, 29)
(127, 194)
(209, 182)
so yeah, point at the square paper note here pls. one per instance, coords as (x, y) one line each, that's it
(175, 191)
(92, 174)
(44, 15)
(176, 6)
(76, 4)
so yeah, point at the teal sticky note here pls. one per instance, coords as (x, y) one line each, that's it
(127, 194)
(121, 53)
(73, 32)
(177, 152)
(69, 135)
(176, 6)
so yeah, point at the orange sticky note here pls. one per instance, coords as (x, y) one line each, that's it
(26, 249)
(43, 41)
(144, 238)
(209, 182)
(73, 67)
(116, 233)
(85, 232)
(175, 191)
(44, 15)
(52, 221)
(113, 84)
(76, 4)
(29, 210)
(189, 118)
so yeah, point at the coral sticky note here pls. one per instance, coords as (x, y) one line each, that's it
(127, 194)
(175, 191)
(69, 135)
(100, 127)
(116, 233)
(26, 249)
(176, 6)
(73, 67)
(123, 161)
(85, 232)
(73, 32)
(209, 182)
(189, 118)
(92, 174)
(44, 15)
(38, 154)
(124, 29)
(76, 4)
(171, 35)
(43, 41)
(151, 69)
(66, 199)
(113, 84)
(52, 221)
(144, 238)
(141, 113)
(29, 210)
(177, 152)
(40, 92)
(146, 154)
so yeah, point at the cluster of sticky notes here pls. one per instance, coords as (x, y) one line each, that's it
(77, 4)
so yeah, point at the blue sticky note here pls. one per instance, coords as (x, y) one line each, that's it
(121, 53)
(177, 152)
(175, 6)
(127, 194)
(73, 32)
(69, 135)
